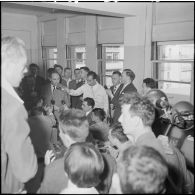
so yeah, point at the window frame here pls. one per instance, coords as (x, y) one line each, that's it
(156, 62)
(45, 59)
(102, 60)
(70, 59)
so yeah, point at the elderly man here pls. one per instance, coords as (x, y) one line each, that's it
(53, 95)
(18, 159)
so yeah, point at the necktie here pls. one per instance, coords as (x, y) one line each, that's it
(114, 90)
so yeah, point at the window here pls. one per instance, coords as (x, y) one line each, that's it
(76, 56)
(110, 58)
(49, 57)
(173, 63)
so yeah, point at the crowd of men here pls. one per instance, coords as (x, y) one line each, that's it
(68, 134)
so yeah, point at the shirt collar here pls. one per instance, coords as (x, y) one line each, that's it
(7, 86)
(88, 112)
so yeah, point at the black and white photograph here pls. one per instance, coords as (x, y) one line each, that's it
(97, 97)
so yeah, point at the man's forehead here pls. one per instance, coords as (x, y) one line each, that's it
(55, 75)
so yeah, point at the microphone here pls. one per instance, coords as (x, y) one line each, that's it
(162, 103)
(53, 102)
(105, 87)
(60, 87)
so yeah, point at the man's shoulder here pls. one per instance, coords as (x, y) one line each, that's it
(72, 81)
(130, 87)
(55, 168)
(9, 101)
(100, 87)
(54, 179)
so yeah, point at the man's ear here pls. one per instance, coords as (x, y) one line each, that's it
(137, 121)
(115, 186)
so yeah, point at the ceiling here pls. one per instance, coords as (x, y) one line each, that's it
(45, 8)
(33, 10)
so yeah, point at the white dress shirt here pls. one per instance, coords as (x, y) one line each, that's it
(97, 92)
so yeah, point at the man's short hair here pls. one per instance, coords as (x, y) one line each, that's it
(53, 72)
(83, 164)
(36, 111)
(118, 133)
(74, 123)
(93, 74)
(142, 170)
(140, 106)
(151, 83)
(12, 50)
(117, 72)
(76, 69)
(65, 69)
(100, 113)
(90, 101)
(32, 65)
(85, 68)
(58, 66)
(49, 71)
(130, 74)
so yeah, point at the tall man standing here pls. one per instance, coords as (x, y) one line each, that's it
(18, 159)
(127, 79)
(76, 101)
(114, 91)
(53, 95)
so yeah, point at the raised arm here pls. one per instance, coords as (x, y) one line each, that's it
(76, 92)
(105, 97)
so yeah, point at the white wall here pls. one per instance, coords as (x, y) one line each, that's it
(173, 21)
(25, 27)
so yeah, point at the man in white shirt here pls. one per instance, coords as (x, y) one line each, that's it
(93, 90)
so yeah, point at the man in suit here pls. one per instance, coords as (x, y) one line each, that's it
(114, 91)
(18, 159)
(76, 101)
(53, 95)
(67, 77)
(59, 69)
(127, 79)
(87, 106)
(39, 81)
(84, 71)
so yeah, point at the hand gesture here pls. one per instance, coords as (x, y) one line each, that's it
(49, 157)
(48, 109)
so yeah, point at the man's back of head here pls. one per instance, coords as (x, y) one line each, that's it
(142, 170)
(14, 58)
(73, 123)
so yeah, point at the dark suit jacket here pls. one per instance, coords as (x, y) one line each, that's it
(39, 82)
(89, 118)
(115, 99)
(117, 112)
(76, 101)
(58, 96)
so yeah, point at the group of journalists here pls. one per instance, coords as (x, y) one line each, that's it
(68, 134)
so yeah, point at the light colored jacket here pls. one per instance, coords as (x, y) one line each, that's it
(18, 159)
